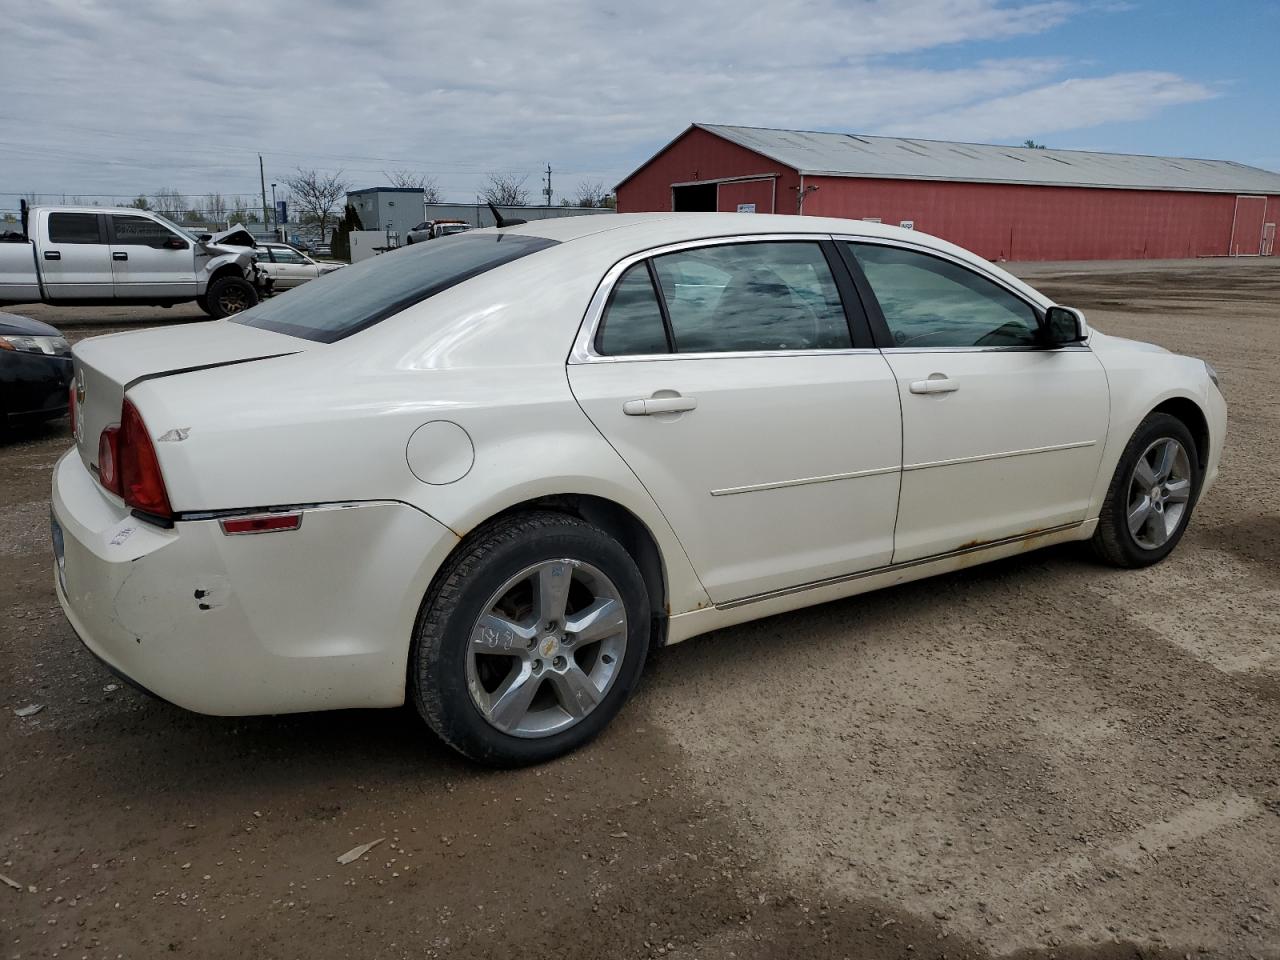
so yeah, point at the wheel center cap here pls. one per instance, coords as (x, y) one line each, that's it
(1156, 494)
(549, 647)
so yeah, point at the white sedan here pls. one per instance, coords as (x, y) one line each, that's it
(289, 267)
(490, 473)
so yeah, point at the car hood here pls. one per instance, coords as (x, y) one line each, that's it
(1105, 343)
(237, 236)
(25, 326)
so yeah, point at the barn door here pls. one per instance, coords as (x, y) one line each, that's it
(1268, 239)
(1246, 228)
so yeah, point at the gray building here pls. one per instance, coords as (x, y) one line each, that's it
(478, 214)
(394, 209)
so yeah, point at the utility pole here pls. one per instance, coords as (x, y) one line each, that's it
(547, 190)
(262, 178)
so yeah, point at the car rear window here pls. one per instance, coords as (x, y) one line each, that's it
(353, 298)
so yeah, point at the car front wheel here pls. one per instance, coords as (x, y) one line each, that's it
(530, 639)
(1151, 496)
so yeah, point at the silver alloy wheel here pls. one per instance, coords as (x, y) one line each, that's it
(1159, 492)
(547, 648)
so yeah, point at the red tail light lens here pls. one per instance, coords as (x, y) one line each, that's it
(109, 459)
(141, 483)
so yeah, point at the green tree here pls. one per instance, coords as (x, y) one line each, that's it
(340, 246)
(141, 203)
(1033, 145)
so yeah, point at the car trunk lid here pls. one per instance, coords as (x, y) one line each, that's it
(106, 367)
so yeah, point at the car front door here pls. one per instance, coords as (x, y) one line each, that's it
(75, 260)
(291, 268)
(750, 404)
(1002, 437)
(150, 260)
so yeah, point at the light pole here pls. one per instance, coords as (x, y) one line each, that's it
(275, 212)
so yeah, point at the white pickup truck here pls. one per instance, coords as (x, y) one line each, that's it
(101, 256)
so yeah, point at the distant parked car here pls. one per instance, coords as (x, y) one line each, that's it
(430, 229)
(35, 370)
(289, 267)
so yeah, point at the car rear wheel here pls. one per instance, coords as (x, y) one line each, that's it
(1151, 496)
(530, 639)
(228, 295)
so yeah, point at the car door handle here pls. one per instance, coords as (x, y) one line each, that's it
(651, 405)
(935, 384)
(52, 255)
(119, 256)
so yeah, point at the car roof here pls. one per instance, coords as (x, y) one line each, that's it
(657, 228)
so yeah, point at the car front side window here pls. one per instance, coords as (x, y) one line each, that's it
(931, 302)
(752, 297)
(142, 232)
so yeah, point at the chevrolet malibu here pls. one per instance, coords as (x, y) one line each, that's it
(489, 474)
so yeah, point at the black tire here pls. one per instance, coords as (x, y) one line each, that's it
(224, 292)
(1113, 542)
(454, 602)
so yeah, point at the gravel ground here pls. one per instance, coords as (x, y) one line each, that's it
(1037, 758)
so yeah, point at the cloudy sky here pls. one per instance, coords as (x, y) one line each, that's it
(117, 98)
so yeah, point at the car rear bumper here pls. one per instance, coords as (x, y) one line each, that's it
(310, 619)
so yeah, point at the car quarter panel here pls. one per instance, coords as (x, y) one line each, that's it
(316, 618)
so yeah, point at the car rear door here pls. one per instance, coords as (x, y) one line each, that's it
(150, 260)
(75, 259)
(751, 406)
(1001, 437)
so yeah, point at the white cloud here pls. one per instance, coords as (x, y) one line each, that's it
(1066, 105)
(113, 97)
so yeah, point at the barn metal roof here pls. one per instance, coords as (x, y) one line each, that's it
(899, 158)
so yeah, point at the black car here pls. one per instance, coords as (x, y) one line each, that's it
(35, 370)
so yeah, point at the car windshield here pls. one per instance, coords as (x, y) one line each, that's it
(346, 301)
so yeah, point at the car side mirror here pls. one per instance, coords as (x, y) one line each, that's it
(176, 243)
(1062, 326)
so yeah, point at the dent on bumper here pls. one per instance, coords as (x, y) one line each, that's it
(313, 619)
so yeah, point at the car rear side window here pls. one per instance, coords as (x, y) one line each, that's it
(632, 323)
(74, 228)
(931, 302)
(752, 297)
(349, 300)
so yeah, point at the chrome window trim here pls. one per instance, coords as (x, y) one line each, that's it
(584, 350)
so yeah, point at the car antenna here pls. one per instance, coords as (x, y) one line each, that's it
(500, 221)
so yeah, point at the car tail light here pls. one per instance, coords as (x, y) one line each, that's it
(141, 483)
(109, 458)
(264, 523)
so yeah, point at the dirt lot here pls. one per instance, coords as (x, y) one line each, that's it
(1037, 758)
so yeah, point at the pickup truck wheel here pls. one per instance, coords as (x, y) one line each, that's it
(228, 295)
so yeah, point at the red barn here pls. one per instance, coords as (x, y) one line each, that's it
(1004, 203)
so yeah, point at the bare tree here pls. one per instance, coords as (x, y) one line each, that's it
(215, 208)
(316, 195)
(416, 181)
(168, 201)
(505, 190)
(591, 193)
